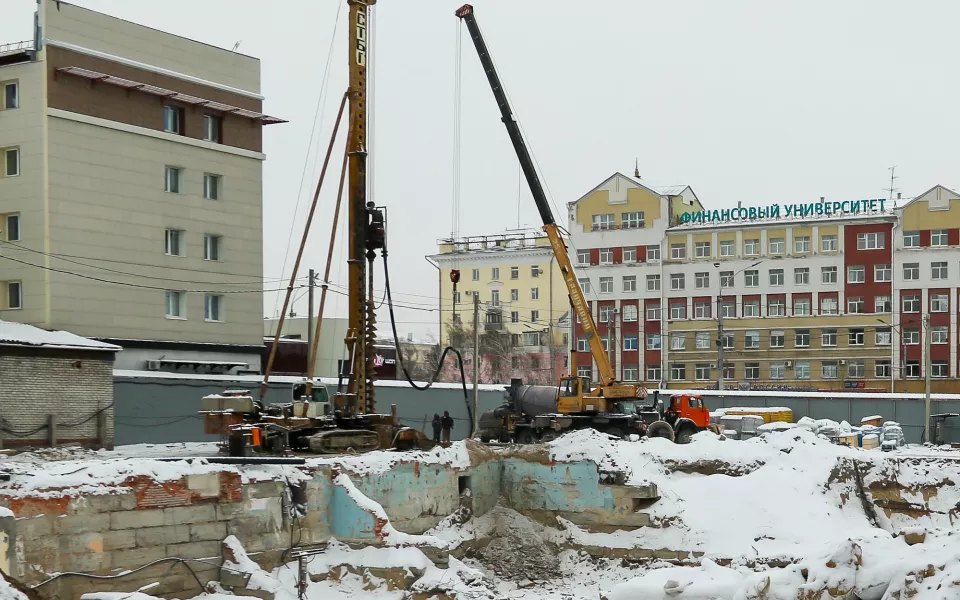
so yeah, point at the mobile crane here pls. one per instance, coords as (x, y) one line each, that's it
(612, 406)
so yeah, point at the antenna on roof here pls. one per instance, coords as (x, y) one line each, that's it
(892, 189)
(235, 46)
(636, 168)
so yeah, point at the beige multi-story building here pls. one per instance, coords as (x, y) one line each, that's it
(131, 190)
(522, 296)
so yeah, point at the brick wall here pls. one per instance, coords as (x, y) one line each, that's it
(71, 385)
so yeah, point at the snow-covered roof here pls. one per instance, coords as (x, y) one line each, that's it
(21, 334)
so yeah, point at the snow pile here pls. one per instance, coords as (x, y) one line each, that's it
(8, 592)
(381, 461)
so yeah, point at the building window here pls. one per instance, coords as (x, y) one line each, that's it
(653, 312)
(535, 292)
(911, 271)
(678, 311)
(173, 119)
(881, 369)
(495, 297)
(171, 180)
(776, 277)
(702, 341)
(856, 274)
(606, 256)
(751, 247)
(585, 372)
(702, 372)
(678, 371)
(582, 345)
(882, 273)
(751, 308)
(653, 253)
(911, 336)
(912, 368)
(911, 303)
(726, 248)
(630, 254)
(631, 373)
(728, 342)
(855, 337)
(211, 247)
(212, 128)
(828, 337)
(801, 370)
(882, 304)
(776, 245)
(726, 279)
(11, 232)
(777, 308)
(801, 307)
(677, 281)
(14, 295)
(871, 241)
(653, 341)
(702, 280)
(630, 283)
(583, 258)
(584, 286)
(515, 316)
(495, 274)
(653, 283)
(602, 222)
(940, 368)
(701, 249)
(939, 335)
(515, 293)
(938, 237)
(801, 244)
(535, 269)
(173, 244)
(728, 309)
(939, 303)
(606, 314)
(911, 239)
(678, 341)
(534, 316)
(475, 275)
(456, 299)
(828, 243)
(828, 369)
(856, 369)
(829, 306)
(856, 305)
(801, 275)
(938, 270)
(751, 340)
(11, 95)
(212, 307)
(751, 278)
(802, 338)
(629, 313)
(701, 310)
(882, 336)
(678, 251)
(778, 370)
(11, 162)
(828, 274)
(631, 220)
(751, 370)
(606, 285)
(176, 304)
(211, 186)
(776, 338)
(630, 342)
(653, 372)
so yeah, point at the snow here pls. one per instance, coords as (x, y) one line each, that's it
(8, 592)
(21, 334)
(390, 535)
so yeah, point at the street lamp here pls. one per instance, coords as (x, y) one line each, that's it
(720, 348)
(927, 370)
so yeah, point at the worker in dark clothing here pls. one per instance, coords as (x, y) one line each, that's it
(437, 425)
(447, 423)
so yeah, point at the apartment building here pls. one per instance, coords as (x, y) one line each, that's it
(823, 295)
(524, 308)
(131, 190)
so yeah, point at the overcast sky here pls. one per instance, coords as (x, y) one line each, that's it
(745, 100)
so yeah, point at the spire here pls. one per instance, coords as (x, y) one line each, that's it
(636, 168)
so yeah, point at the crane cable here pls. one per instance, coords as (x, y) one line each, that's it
(457, 111)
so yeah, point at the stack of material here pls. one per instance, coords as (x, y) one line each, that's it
(871, 441)
(741, 427)
(849, 439)
(770, 414)
(871, 421)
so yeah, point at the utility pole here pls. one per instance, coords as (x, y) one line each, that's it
(927, 368)
(720, 339)
(476, 358)
(311, 284)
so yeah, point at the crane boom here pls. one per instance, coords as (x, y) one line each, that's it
(607, 375)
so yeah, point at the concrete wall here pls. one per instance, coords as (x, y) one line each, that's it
(73, 386)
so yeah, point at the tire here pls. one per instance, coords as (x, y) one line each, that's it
(660, 429)
(549, 435)
(685, 435)
(524, 436)
(616, 431)
(485, 439)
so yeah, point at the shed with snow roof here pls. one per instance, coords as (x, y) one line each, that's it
(55, 387)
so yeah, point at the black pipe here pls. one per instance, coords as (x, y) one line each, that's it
(246, 460)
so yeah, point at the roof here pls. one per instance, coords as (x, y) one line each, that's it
(668, 190)
(21, 334)
(915, 198)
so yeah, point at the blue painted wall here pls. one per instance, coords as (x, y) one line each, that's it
(571, 487)
(347, 520)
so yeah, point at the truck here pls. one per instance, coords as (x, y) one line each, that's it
(609, 405)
